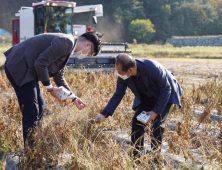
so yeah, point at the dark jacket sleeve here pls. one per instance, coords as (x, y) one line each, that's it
(59, 47)
(116, 98)
(60, 80)
(159, 77)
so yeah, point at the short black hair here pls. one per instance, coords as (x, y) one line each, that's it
(126, 61)
(94, 37)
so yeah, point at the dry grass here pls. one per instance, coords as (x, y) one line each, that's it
(69, 137)
(4, 47)
(68, 132)
(168, 51)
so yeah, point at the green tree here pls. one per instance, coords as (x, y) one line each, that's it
(141, 30)
(170, 17)
(196, 18)
(117, 16)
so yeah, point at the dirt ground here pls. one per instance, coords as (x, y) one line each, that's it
(193, 70)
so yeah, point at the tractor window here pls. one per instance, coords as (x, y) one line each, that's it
(59, 19)
(39, 20)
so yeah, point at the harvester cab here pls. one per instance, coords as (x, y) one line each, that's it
(58, 16)
(43, 17)
(53, 17)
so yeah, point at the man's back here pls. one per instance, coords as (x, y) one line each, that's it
(21, 58)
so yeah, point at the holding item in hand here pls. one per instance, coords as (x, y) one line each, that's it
(39, 58)
(155, 90)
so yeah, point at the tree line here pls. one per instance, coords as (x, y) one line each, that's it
(144, 21)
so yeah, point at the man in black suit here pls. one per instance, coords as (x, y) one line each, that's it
(155, 90)
(39, 58)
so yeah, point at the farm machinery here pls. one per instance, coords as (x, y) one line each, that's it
(58, 16)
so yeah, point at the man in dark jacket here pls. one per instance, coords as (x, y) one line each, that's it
(39, 58)
(155, 90)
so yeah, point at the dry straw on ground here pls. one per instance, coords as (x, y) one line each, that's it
(68, 132)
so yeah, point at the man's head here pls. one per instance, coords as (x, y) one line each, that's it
(89, 43)
(125, 65)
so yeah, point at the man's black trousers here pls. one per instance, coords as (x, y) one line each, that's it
(31, 103)
(158, 126)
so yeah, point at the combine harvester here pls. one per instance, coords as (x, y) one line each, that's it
(58, 16)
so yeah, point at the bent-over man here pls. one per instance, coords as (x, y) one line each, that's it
(155, 90)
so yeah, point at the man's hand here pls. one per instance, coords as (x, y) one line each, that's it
(55, 92)
(79, 104)
(152, 114)
(99, 118)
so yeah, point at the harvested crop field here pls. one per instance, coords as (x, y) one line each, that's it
(71, 140)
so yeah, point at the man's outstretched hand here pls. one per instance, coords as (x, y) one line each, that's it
(99, 118)
(55, 92)
(80, 104)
